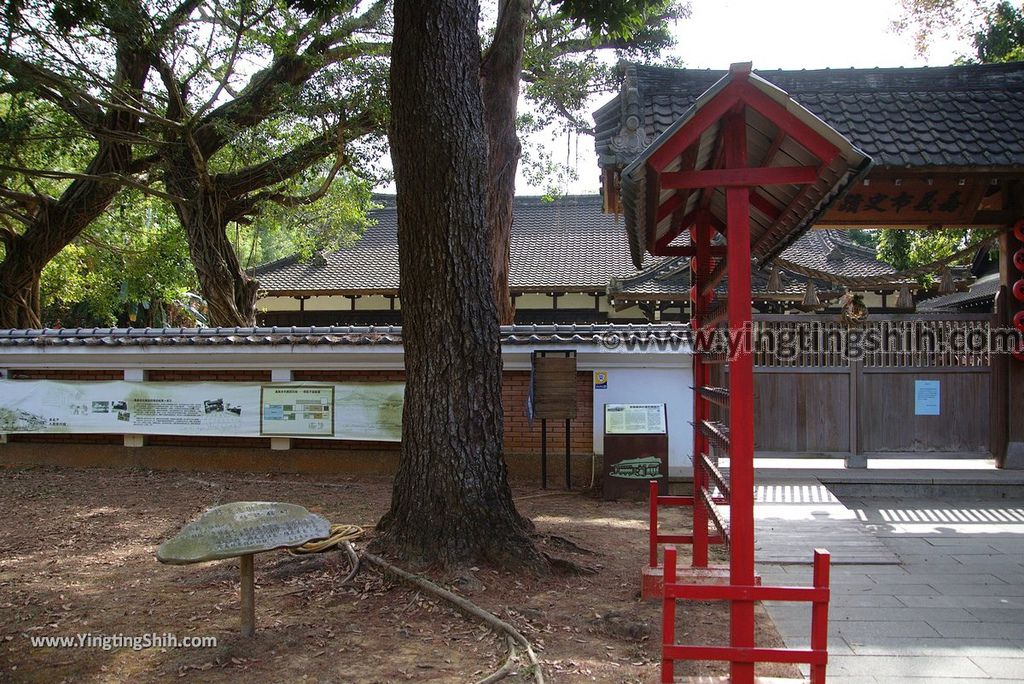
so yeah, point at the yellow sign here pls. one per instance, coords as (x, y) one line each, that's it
(600, 379)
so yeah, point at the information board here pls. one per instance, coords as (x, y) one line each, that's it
(926, 397)
(355, 411)
(240, 528)
(634, 419)
(297, 411)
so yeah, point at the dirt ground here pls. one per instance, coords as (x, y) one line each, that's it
(77, 557)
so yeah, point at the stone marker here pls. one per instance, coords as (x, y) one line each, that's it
(241, 529)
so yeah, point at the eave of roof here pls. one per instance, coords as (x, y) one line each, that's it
(799, 207)
(595, 334)
(982, 290)
(957, 117)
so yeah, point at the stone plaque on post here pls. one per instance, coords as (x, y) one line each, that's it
(241, 529)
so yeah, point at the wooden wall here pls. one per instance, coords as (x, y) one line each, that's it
(824, 402)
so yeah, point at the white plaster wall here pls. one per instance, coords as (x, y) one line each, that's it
(647, 385)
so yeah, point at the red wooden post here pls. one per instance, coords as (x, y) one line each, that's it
(702, 235)
(741, 397)
(819, 613)
(654, 524)
(668, 616)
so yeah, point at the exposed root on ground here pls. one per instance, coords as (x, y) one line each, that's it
(495, 623)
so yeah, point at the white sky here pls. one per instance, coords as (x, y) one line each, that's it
(776, 34)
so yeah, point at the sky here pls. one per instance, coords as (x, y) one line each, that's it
(773, 34)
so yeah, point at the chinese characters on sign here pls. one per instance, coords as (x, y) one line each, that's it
(910, 202)
(297, 411)
(634, 419)
(241, 528)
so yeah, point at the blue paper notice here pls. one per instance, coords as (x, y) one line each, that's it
(926, 397)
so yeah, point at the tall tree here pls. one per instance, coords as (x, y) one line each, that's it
(451, 503)
(308, 110)
(1001, 35)
(40, 218)
(552, 45)
(221, 109)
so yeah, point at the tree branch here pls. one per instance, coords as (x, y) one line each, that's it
(111, 177)
(19, 217)
(278, 169)
(293, 201)
(266, 87)
(23, 198)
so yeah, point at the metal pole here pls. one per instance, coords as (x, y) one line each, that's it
(543, 453)
(248, 596)
(568, 454)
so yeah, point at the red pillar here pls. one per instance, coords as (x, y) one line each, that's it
(741, 397)
(702, 268)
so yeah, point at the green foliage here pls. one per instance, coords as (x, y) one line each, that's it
(629, 20)
(864, 238)
(128, 268)
(906, 249)
(565, 60)
(335, 221)
(995, 28)
(1001, 37)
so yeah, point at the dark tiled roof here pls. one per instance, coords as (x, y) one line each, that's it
(832, 251)
(825, 250)
(959, 116)
(982, 291)
(565, 245)
(597, 334)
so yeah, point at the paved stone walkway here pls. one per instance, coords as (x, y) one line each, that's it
(947, 607)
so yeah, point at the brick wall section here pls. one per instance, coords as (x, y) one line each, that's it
(520, 436)
(235, 375)
(64, 374)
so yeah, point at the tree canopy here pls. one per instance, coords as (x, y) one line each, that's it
(258, 123)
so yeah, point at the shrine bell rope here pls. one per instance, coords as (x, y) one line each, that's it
(890, 279)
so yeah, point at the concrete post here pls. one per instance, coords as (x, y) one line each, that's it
(134, 375)
(280, 443)
(3, 435)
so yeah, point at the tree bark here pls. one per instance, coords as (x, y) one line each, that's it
(499, 78)
(451, 503)
(229, 292)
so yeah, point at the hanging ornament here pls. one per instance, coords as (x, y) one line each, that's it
(1018, 259)
(1018, 290)
(853, 308)
(811, 300)
(906, 299)
(946, 284)
(775, 280)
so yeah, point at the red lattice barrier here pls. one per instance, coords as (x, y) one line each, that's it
(818, 595)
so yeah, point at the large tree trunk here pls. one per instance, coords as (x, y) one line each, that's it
(229, 292)
(499, 78)
(451, 503)
(57, 222)
(19, 286)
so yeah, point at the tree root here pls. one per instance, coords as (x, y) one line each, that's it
(506, 668)
(564, 543)
(353, 559)
(564, 565)
(495, 623)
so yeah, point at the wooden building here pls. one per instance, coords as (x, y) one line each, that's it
(570, 264)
